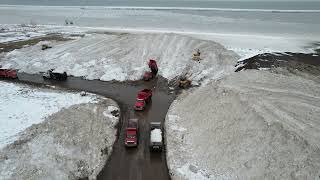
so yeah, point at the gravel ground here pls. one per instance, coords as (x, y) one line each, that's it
(70, 144)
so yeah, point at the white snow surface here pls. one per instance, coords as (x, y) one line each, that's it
(124, 57)
(156, 135)
(249, 124)
(22, 106)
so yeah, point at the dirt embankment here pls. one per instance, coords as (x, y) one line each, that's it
(71, 144)
(7, 47)
(293, 62)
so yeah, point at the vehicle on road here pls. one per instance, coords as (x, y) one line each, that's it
(132, 133)
(143, 98)
(50, 74)
(8, 73)
(156, 137)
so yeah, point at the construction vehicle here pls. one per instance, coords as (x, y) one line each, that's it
(132, 133)
(8, 73)
(50, 74)
(196, 56)
(143, 97)
(154, 70)
(184, 82)
(156, 137)
(45, 46)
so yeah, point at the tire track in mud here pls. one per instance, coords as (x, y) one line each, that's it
(135, 163)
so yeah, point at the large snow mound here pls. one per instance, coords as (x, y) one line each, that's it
(21, 106)
(252, 124)
(73, 143)
(124, 57)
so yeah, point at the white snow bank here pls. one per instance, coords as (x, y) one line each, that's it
(21, 106)
(156, 135)
(248, 124)
(124, 57)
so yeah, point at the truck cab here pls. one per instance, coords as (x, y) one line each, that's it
(156, 137)
(132, 133)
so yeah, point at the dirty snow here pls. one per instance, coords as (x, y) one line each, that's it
(124, 57)
(251, 124)
(156, 135)
(21, 106)
(67, 136)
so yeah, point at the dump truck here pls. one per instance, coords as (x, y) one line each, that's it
(143, 98)
(50, 74)
(154, 70)
(8, 73)
(156, 137)
(132, 133)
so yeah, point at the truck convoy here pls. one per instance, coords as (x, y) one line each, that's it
(156, 137)
(143, 97)
(8, 73)
(132, 133)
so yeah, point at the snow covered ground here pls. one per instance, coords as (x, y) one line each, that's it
(22, 106)
(124, 57)
(252, 124)
(51, 134)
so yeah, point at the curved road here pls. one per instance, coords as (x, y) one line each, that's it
(126, 164)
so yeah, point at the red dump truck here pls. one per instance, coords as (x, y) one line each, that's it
(8, 73)
(143, 97)
(154, 70)
(132, 133)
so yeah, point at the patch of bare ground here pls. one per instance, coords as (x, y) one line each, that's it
(10, 46)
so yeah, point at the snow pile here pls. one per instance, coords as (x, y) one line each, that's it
(22, 106)
(124, 57)
(73, 143)
(249, 124)
(156, 135)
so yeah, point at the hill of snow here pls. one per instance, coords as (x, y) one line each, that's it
(252, 124)
(124, 57)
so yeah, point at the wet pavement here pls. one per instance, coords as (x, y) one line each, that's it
(125, 164)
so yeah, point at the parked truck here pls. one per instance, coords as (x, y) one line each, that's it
(8, 73)
(132, 133)
(156, 137)
(50, 74)
(143, 98)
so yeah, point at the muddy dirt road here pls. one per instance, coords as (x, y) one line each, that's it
(129, 164)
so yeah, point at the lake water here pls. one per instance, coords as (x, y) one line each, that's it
(284, 5)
